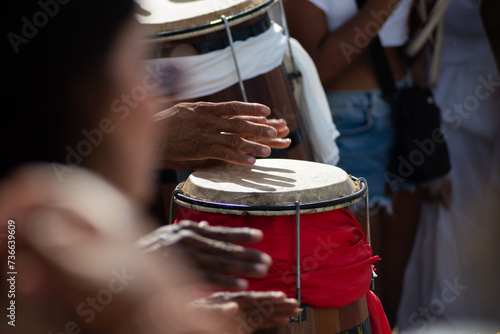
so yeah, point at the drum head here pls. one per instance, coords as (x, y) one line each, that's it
(189, 17)
(271, 183)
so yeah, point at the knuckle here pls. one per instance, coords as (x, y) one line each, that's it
(165, 229)
(222, 153)
(235, 141)
(234, 105)
(239, 125)
(185, 234)
(198, 140)
(204, 123)
(201, 106)
(186, 224)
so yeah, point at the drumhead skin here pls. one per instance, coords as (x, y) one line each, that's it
(160, 16)
(270, 182)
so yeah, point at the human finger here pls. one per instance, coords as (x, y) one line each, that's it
(237, 143)
(236, 235)
(237, 108)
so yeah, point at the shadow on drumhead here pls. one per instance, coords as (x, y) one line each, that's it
(182, 1)
(273, 169)
(258, 181)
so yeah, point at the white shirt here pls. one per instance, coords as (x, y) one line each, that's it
(394, 32)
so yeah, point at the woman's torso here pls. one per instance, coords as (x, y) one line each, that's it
(360, 74)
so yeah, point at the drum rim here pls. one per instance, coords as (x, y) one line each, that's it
(211, 25)
(240, 209)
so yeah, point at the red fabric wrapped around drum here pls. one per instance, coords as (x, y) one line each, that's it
(335, 259)
(334, 254)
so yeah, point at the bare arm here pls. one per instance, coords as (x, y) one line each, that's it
(332, 52)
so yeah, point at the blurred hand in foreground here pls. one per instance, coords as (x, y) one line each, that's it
(212, 250)
(251, 310)
(77, 264)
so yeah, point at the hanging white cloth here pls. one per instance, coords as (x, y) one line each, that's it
(212, 72)
(314, 108)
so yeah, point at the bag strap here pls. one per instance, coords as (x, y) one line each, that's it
(436, 55)
(381, 65)
(430, 22)
(434, 22)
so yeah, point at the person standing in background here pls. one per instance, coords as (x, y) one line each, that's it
(453, 272)
(337, 35)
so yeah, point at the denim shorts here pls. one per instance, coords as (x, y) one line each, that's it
(364, 121)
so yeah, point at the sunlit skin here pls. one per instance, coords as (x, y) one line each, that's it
(309, 25)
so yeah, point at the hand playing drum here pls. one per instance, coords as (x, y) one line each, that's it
(239, 60)
(234, 132)
(251, 310)
(212, 251)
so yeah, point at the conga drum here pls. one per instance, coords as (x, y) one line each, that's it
(320, 253)
(218, 42)
(238, 59)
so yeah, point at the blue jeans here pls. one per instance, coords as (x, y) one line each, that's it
(364, 121)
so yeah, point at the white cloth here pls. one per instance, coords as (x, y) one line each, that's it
(459, 246)
(314, 110)
(394, 32)
(212, 72)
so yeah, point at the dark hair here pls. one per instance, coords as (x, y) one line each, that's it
(54, 48)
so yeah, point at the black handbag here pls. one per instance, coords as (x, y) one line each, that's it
(420, 153)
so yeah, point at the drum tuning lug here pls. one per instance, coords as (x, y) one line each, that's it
(302, 317)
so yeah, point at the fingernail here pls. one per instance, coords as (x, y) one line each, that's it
(230, 308)
(264, 110)
(266, 259)
(256, 233)
(241, 284)
(261, 268)
(271, 133)
(265, 151)
(279, 295)
(250, 159)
